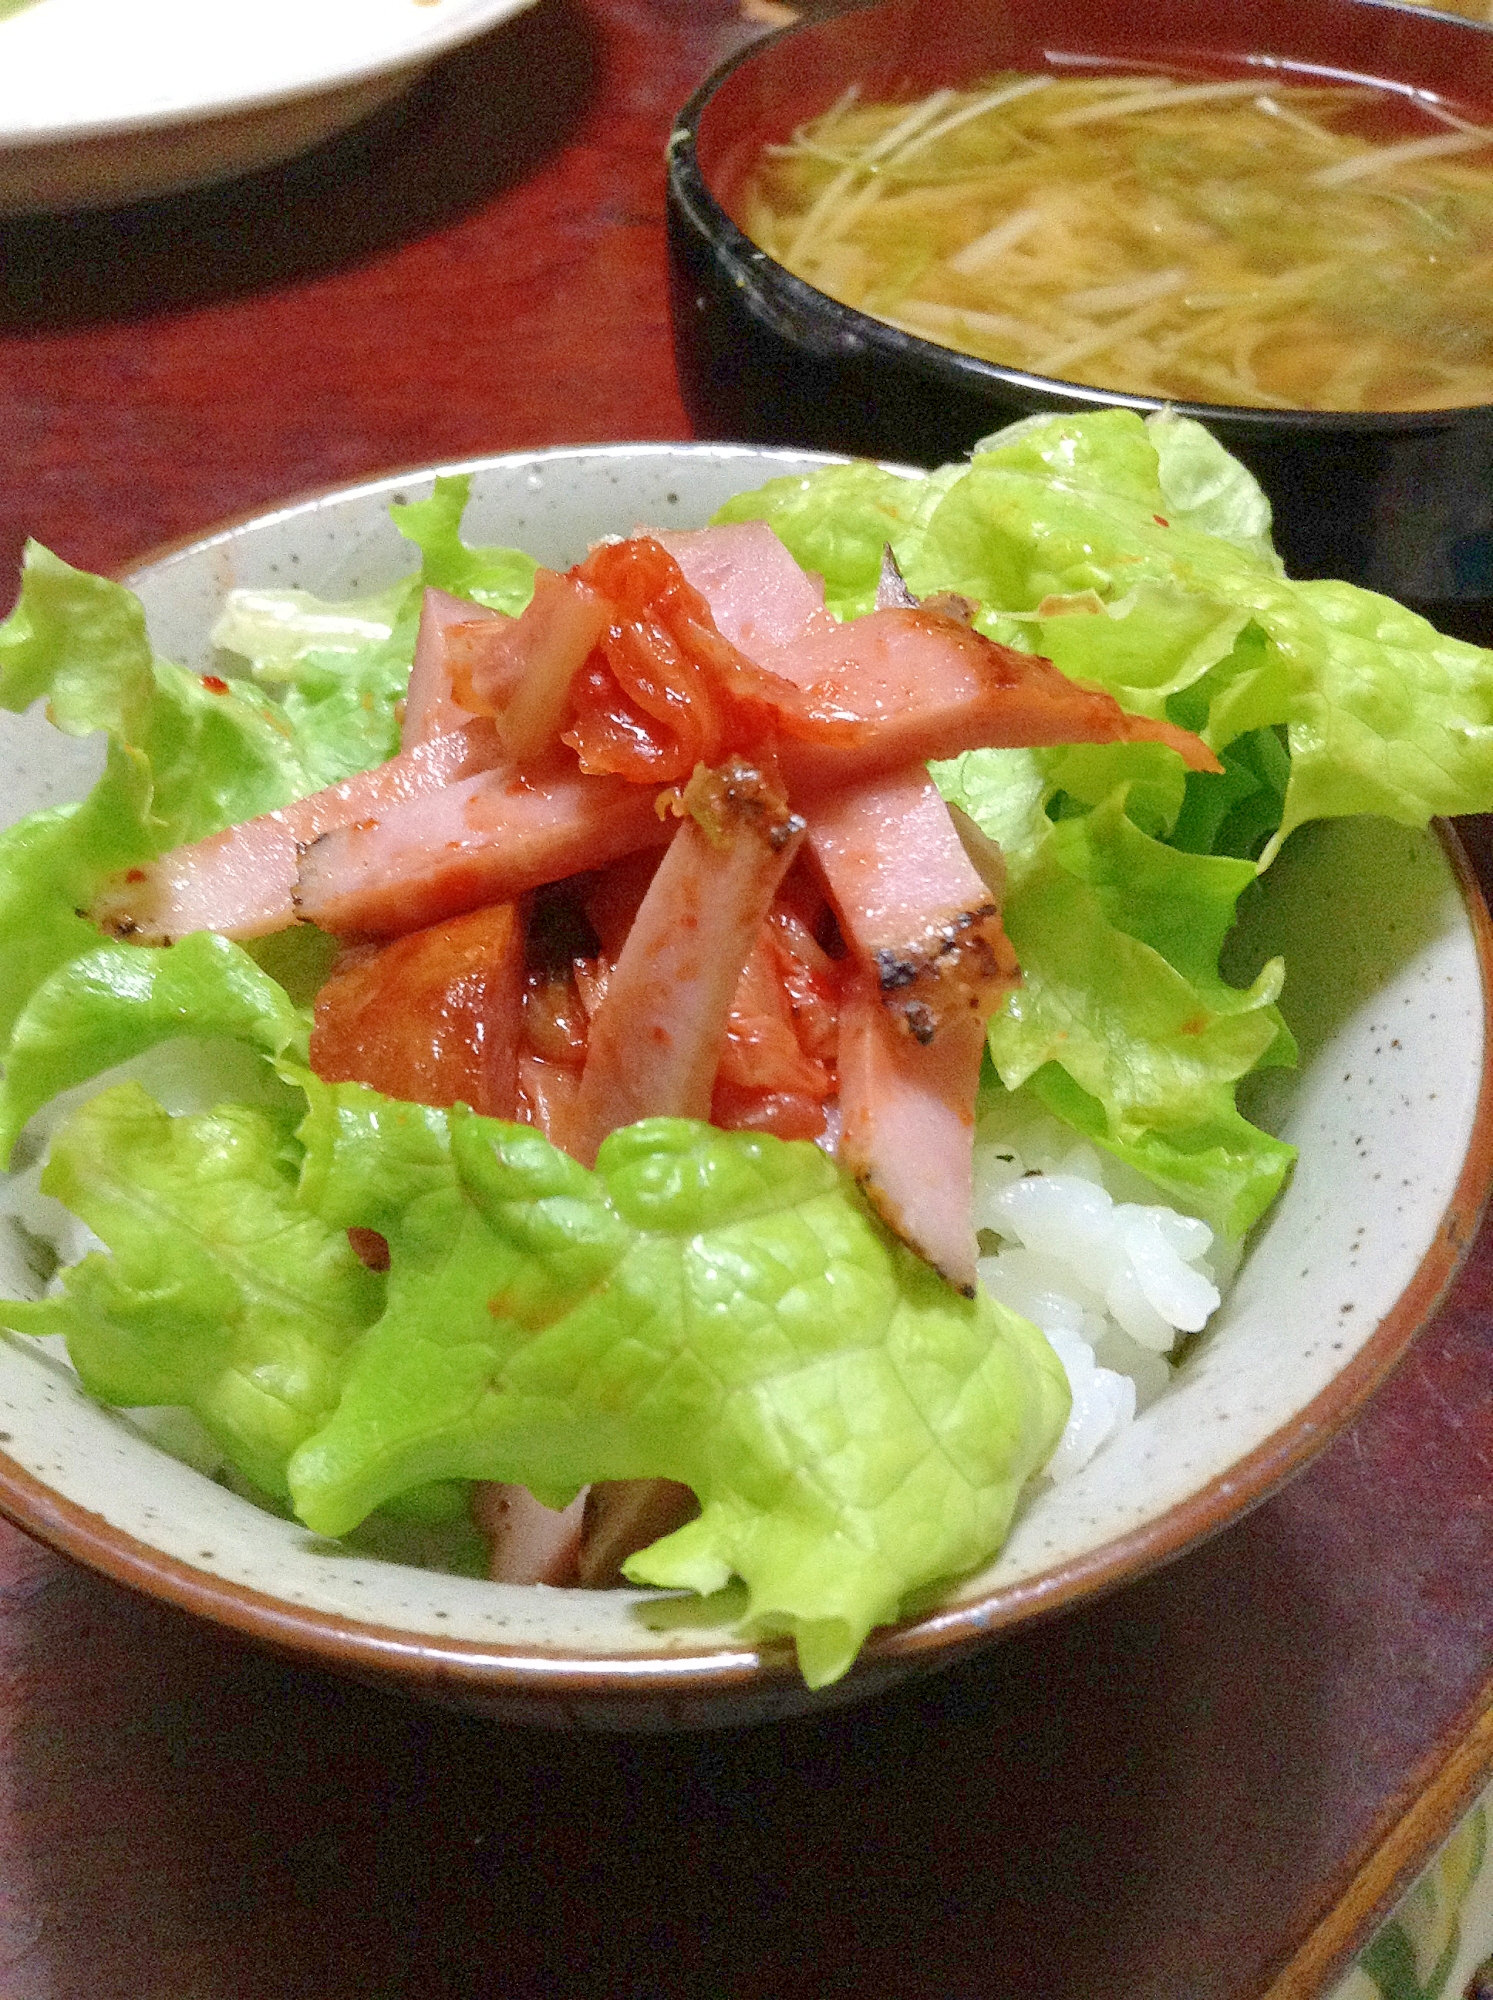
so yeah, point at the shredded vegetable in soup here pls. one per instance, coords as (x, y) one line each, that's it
(1231, 240)
(1472, 10)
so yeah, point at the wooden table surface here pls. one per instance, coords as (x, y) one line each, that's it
(1199, 1789)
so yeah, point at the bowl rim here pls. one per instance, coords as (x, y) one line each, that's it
(426, 42)
(531, 1681)
(692, 202)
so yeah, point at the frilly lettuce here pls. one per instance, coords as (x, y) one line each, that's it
(713, 1307)
(222, 1292)
(1136, 555)
(1133, 553)
(187, 755)
(117, 1000)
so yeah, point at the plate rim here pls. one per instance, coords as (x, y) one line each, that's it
(476, 18)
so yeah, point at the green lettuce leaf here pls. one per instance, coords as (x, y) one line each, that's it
(712, 1307)
(501, 578)
(1383, 713)
(838, 522)
(1136, 555)
(50, 866)
(1205, 486)
(215, 751)
(1387, 715)
(341, 668)
(338, 670)
(222, 1293)
(186, 757)
(1123, 1025)
(1197, 481)
(113, 1001)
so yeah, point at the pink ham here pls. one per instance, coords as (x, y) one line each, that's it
(242, 881)
(894, 688)
(759, 597)
(908, 1127)
(528, 1542)
(483, 839)
(920, 682)
(657, 1037)
(430, 706)
(915, 685)
(623, 1516)
(910, 902)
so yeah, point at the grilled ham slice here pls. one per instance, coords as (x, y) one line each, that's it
(908, 685)
(759, 597)
(528, 1542)
(907, 1126)
(910, 902)
(430, 704)
(480, 840)
(657, 1037)
(242, 881)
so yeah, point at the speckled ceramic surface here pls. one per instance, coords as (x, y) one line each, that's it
(107, 103)
(1388, 952)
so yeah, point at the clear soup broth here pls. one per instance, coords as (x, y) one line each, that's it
(1242, 239)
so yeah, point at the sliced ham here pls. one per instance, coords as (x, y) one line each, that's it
(708, 661)
(432, 1018)
(623, 1516)
(657, 1037)
(528, 1542)
(483, 839)
(907, 1127)
(924, 925)
(910, 902)
(583, 1544)
(848, 702)
(430, 705)
(760, 598)
(242, 881)
(909, 674)
(908, 685)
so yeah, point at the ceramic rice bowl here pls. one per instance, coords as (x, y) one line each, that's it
(1390, 1110)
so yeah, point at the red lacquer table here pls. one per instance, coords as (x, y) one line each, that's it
(1201, 1789)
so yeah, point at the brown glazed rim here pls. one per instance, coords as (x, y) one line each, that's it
(547, 1680)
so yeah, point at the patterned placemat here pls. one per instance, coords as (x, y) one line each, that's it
(1438, 1945)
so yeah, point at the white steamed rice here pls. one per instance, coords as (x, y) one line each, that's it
(1113, 1281)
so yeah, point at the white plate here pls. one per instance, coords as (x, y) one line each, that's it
(110, 100)
(1387, 946)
